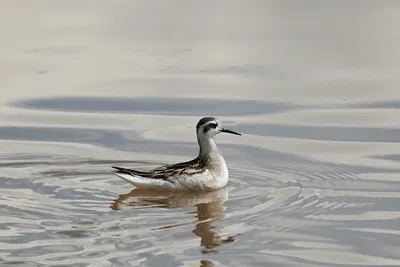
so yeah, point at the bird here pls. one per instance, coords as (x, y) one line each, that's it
(208, 171)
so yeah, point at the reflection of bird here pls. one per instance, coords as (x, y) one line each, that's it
(206, 263)
(206, 172)
(209, 210)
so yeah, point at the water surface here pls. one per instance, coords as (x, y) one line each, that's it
(313, 87)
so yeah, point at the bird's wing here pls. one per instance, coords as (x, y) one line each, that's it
(164, 172)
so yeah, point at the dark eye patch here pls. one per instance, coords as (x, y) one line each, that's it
(209, 126)
(213, 125)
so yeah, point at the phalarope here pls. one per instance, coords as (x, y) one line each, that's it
(207, 171)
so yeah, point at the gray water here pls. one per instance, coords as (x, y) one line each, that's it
(312, 85)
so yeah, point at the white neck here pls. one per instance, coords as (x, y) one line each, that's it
(214, 160)
(208, 147)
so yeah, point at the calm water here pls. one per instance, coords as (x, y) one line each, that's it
(312, 85)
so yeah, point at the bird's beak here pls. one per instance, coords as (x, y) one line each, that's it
(224, 130)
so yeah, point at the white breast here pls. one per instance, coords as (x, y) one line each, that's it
(219, 172)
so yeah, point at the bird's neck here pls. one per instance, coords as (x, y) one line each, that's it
(209, 149)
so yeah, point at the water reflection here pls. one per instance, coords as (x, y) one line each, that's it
(209, 209)
(206, 263)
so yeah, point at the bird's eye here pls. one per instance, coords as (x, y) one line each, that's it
(213, 125)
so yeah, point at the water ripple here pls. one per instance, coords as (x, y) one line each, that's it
(160, 106)
(64, 209)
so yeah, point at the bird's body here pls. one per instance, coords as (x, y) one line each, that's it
(208, 171)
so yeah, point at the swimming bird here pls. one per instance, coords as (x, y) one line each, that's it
(208, 171)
